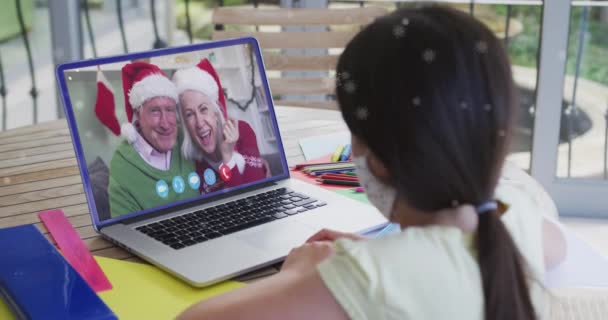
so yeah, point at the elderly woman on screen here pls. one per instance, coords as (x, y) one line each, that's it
(225, 150)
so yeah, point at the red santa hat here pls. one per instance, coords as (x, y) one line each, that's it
(204, 79)
(104, 104)
(142, 81)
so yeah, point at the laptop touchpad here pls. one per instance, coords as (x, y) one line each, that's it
(280, 237)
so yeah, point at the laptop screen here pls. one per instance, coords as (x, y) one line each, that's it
(156, 129)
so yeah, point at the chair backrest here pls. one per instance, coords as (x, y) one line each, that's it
(335, 34)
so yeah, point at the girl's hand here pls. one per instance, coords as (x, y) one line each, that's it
(307, 256)
(332, 235)
(231, 136)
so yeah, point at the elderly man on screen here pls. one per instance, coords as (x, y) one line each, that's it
(148, 170)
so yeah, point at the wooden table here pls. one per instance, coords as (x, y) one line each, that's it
(38, 171)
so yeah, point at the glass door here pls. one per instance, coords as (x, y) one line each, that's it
(570, 140)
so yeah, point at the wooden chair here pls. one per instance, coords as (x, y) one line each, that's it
(272, 43)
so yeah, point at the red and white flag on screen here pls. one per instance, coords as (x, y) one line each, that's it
(105, 104)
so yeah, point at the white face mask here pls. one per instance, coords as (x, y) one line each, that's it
(379, 194)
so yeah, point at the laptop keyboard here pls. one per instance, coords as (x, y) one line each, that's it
(210, 223)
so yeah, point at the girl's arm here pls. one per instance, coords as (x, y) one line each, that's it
(297, 292)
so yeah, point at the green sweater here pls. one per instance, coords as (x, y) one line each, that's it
(133, 182)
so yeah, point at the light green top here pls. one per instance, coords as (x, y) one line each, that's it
(431, 272)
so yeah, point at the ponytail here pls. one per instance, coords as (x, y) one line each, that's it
(503, 275)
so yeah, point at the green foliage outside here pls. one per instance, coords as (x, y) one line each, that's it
(200, 16)
(9, 24)
(524, 47)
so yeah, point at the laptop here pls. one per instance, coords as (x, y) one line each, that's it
(179, 191)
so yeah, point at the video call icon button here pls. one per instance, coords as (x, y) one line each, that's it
(194, 180)
(209, 177)
(225, 172)
(162, 189)
(178, 184)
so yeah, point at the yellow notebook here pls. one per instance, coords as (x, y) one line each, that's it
(142, 291)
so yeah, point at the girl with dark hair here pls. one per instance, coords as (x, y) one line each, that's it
(430, 101)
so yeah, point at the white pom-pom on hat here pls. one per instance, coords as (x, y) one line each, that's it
(128, 131)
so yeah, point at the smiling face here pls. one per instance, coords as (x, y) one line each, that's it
(157, 120)
(201, 120)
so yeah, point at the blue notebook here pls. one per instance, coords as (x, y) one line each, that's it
(38, 283)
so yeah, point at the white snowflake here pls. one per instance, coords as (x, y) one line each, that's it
(405, 21)
(532, 110)
(487, 107)
(464, 105)
(501, 133)
(70, 78)
(350, 86)
(416, 101)
(399, 31)
(428, 55)
(253, 161)
(481, 46)
(79, 105)
(362, 113)
(345, 75)
(455, 203)
(89, 134)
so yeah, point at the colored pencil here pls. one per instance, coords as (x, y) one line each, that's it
(322, 172)
(337, 177)
(339, 183)
(345, 153)
(343, 175)
(329, 167)
(303, 165)
(336, 156)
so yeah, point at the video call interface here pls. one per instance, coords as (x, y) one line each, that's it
(171, 128)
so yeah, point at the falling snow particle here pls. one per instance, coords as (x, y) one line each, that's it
(416, 101)
(487, 107)
(399, 31)
(345, 75)
(362, 113)
(501, 133)
(350, 87)
(464, 105)
(481, 47)
(405, 21)
(79, 105)
(428, 55)
(455, 203)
